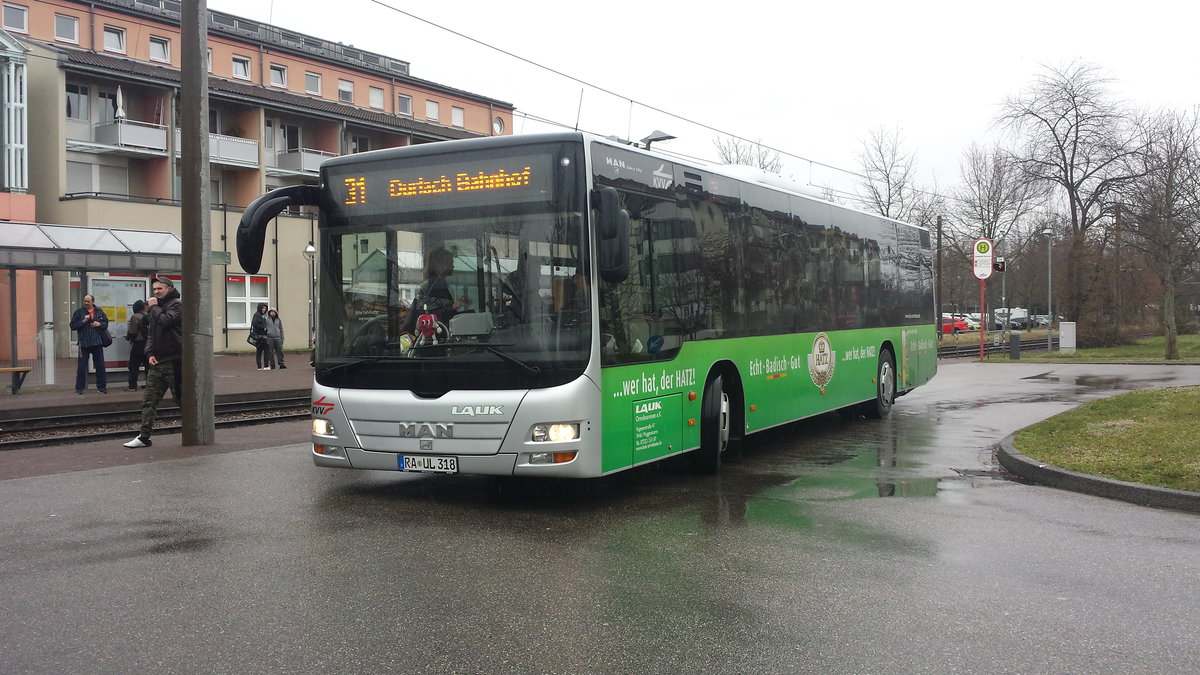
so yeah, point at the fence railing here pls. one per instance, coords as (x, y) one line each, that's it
(970, 348)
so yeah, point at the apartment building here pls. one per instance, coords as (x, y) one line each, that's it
(103, 149)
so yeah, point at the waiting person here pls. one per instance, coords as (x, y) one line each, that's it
(258, 331)
(135, 332)
(274, 333)
(92, 324)
(164, 353)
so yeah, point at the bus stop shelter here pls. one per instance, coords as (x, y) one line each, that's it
(40, 260)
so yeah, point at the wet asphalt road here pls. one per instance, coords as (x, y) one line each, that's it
(825, 546)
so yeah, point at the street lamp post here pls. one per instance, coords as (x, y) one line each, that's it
(1049, 289)
(310, 253)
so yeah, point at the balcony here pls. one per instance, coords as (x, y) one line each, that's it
(132, 135)
(229, 150)
(303, 160)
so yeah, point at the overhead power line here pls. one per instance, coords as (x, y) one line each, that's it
(647, 106)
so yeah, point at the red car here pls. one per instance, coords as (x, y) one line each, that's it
(954, 326)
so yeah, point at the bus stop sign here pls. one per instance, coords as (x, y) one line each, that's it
(983, 258)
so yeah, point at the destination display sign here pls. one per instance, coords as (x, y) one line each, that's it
(435, 182)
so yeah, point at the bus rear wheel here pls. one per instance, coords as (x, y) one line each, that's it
(714, 427)
(885, 388)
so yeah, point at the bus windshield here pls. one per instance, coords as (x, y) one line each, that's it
(485, 296)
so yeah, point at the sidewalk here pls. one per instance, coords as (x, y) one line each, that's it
(233, 376)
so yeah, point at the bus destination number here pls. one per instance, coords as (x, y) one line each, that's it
(428, 464)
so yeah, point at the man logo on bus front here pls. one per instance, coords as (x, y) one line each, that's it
(821, 361)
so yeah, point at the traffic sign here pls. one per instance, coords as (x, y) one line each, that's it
(983, 258)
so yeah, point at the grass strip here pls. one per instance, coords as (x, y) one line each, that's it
(1150, 437)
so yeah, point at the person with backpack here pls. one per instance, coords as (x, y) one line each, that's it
(136, 332)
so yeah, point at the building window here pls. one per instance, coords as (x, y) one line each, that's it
(345, 91)
(16, 18)
(498, 126)
(312, 83)
(66, 28)
(458, 116)
(376, 98)
(403, 104)
(106, 109)
(243, 293)
(79, 177)
(77, 102)
(278, 75)
(114, 39)
(241, 67)
(431, 111)
(160, 49)
(83, 178)
(359, 144)
(210, 59)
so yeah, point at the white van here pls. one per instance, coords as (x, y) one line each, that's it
(1010, 318)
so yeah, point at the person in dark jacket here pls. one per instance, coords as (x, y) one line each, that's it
(434, 297)
(164, 353)
(92, 324)
(135, 332)
(262, 345)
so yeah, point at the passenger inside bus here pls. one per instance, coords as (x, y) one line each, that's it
(434, 297)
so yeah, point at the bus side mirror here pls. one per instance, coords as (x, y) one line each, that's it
(612, 226)
(252, 230)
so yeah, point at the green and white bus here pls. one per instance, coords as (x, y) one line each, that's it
(566, 305)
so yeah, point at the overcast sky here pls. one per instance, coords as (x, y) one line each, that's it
(812, 79)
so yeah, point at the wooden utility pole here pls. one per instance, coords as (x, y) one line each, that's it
(199, 426)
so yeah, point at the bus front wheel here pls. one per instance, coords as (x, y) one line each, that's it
(885, 388)
(714, 426)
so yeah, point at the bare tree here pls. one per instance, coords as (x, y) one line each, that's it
(889, 186)
(1165, 205)
(734, 150)
(995, 196)
(1076, 138)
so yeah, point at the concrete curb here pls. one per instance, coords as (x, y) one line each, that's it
(1135, 493)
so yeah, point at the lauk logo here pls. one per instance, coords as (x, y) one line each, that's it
(322, 407)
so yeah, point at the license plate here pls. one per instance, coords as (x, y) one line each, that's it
(428, 464)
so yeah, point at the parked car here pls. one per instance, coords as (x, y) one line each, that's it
(1015, 318)
(972, 323)
(953, 326)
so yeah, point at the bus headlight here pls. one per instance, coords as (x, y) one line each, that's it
(560, 431)
(322, 427)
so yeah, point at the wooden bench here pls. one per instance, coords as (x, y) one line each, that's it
(18, 376)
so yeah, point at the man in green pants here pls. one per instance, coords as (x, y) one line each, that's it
(164, 353)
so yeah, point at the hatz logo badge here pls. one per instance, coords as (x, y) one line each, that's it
(322, 407)
(821, 361)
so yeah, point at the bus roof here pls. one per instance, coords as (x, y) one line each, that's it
(745, 174)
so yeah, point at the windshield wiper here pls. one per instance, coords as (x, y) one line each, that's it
(489, 347)
(350, 366)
